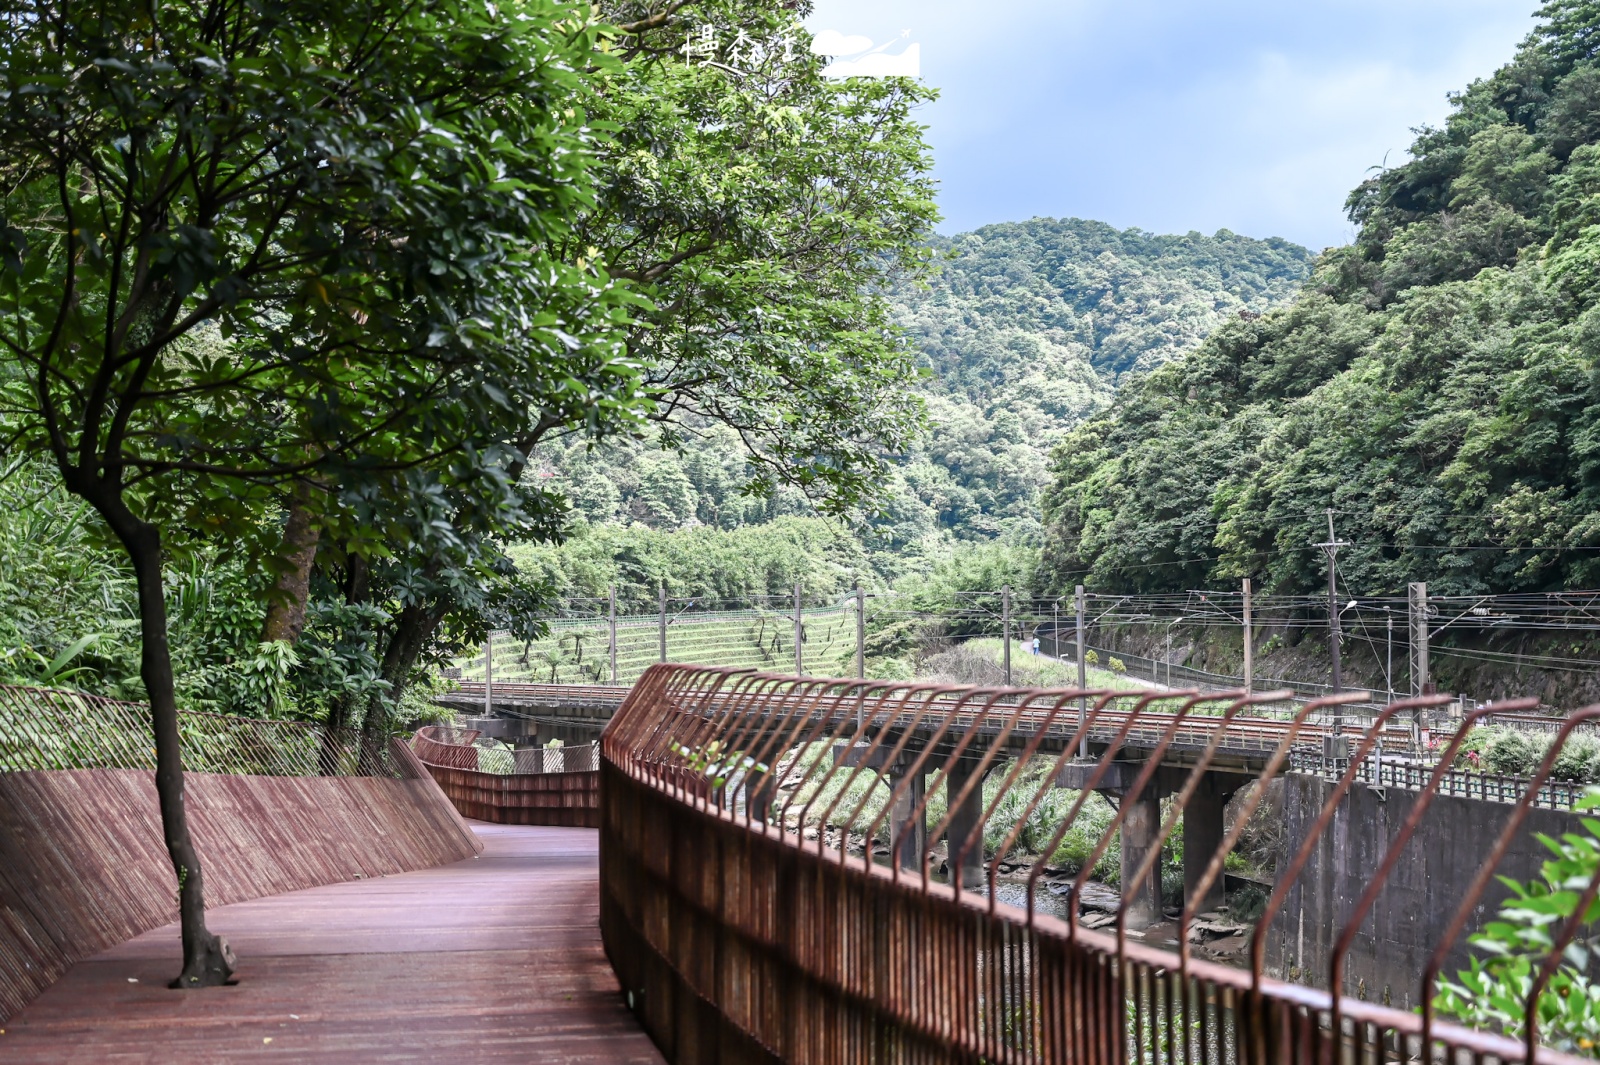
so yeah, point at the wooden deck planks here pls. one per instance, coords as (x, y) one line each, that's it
(83, 866)
(492, 959)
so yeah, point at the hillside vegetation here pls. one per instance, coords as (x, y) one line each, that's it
(1026, 329)
(1435, 382)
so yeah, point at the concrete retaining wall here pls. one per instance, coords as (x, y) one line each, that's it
(1419, 897)
(83, 867)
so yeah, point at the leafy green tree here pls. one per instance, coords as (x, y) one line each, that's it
(253, 252)
(742, 567)
(1435, 383)
(666, 495)
(764, 211)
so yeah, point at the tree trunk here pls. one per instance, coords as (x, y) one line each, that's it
(335, 730)
(286, 601)
(207, 959)
(412, 630)
(357, 579)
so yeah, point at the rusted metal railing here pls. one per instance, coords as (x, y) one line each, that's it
(46, 728)
(752, 918)
(534, 786)
(442, 745)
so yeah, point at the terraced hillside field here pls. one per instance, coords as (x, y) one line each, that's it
(575, 651)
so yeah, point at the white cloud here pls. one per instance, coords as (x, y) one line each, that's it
(832, 42)
(907, 64)
(1257, 115)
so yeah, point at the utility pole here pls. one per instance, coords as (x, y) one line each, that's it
(1417, 597)
(1335, 637)
(1388, 652)
(661, 630)
(861, 634)
(488, 673)
(1249, 644)
(1083, 675)
(611, 624)
(1055, 628)
(799, 635)
(1005, 629)
(1083, 672)
(1168, 656)
(1421, 682)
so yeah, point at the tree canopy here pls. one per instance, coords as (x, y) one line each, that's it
(760, 211)
(1434, 383)
(251, 252)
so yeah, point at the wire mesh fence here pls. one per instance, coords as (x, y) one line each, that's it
(43, 729)
(577, 650)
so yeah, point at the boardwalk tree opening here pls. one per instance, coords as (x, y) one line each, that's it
(252, 252)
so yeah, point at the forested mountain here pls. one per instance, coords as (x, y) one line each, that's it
(1031, 326)
(1026, 329)
(1435, 382)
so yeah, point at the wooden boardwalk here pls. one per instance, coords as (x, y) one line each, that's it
(492, 959)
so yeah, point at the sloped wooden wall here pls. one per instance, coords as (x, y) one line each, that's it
(83, 867)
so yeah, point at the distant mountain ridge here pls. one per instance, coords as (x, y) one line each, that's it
(1122, 300)
(1026, 330)
(1029, 327)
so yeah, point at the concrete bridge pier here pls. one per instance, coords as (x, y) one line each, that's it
(1202, 835)
(1141, 824)
(965, 829)
(907, 833)
(760, 792)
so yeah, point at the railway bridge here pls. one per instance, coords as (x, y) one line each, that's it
(955, 736)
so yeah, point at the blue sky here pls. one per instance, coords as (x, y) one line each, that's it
(1173, 116)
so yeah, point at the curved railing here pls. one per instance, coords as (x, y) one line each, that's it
(272, 805)
(445, 746)
(533, 786)
(752, 917)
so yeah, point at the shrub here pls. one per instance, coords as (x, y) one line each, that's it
(1492, 993)
(1248, 903)
(1577, 761)
(1090, 658)
(1036, 830)
(890, 669)
(1078, 842)
(1470, 754)
(1117, 665)
(1171, 864)
(1512, 753)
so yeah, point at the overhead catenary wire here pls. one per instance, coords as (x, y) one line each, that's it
(757, 631)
